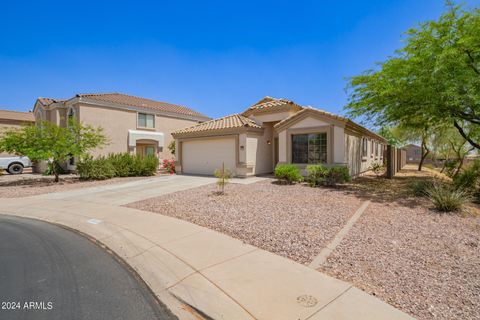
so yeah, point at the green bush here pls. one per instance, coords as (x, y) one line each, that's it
(445, 198)
(316, 174)
(419, 188)
(95, 169)
(377, 168)
(145, 166)
(288, 173)
(337, 174)
(117, 165)
(469, 179)
(123, 164)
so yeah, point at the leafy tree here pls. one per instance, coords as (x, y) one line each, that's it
(389, 134)
(49, 142)
(434, 79)
(451, 146)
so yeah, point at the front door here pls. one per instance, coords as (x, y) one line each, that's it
(146, 150)
(275, 152)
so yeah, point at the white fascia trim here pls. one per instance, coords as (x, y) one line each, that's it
(134, 135)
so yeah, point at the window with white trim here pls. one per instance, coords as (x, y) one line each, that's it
(364, 147)
(146, 120)
(309, 148)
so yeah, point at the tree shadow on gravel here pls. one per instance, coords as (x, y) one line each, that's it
(399, 189)
(382, 190)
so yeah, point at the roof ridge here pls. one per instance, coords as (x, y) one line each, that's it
(29, 111)
(136, 97)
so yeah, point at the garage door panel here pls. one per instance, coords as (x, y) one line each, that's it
(205, 156)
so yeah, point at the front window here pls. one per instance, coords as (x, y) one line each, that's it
(309, 148)
(364, 147)
(146, 120)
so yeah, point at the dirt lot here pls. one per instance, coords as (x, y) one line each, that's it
(24, 185)
(401, 250)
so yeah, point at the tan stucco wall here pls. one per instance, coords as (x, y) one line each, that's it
(282, 146)
(270, 117)
(308, 123)
(259, 152)
(116, 124)
(353, 153)
(339, 145)
(167, 126)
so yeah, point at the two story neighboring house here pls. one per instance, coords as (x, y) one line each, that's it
(132, 124)
(276, 131)
(14, 119)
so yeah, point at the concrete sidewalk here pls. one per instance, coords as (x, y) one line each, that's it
(210, 272)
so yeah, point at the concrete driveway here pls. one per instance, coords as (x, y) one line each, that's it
(120, 194)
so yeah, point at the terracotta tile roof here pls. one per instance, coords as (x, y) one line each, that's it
(228, 122)
(272, 104)
(16, 116)
(124, 99)
(49, 101)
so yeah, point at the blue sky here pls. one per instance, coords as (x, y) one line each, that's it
(217, 57)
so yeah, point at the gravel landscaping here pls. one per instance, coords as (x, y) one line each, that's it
(423, 262)
(401, 250)
(24, 185)
(294, 221)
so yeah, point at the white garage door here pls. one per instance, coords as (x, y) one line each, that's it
(205, 156)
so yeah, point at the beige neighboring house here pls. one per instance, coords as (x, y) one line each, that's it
(14, 119)
(414, 153)
(132, 124)
(276, 131)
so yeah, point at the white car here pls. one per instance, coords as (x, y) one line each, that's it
(15, 165)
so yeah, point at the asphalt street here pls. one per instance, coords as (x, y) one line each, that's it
(47, 272)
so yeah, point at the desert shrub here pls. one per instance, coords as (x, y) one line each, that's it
(377, 168)
(145, 166)
(169, 165)
(288, 173)
(469, 179)
(450, 167)
(117, 165)
(329, 176)
(316, 174)
(419, 188)
(337, 174)
(446, 198)
(224, 176)
(123, 164)
(95, 169)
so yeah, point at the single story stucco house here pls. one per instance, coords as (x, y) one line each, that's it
(14, 119)
(131, 124)
(274, 131)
